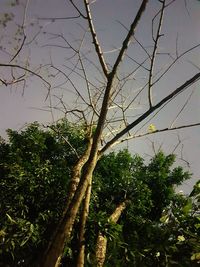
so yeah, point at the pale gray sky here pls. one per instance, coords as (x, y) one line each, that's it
(111, 17)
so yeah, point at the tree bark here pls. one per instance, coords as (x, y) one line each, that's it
(84, 215)
(102, 240)
(101, 249)
(63, 233)
(65, 228)
(76, 174)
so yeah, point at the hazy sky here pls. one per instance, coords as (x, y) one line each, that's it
(111, 17)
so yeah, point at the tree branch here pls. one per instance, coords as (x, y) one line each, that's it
(128, 37)
(158, 35)
(95, 39)
(158, 131)
(177, 91)
(101, 245)
(25, 69)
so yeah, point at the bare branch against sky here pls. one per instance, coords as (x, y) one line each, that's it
(122, 70)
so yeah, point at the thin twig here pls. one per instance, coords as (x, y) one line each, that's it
(95, 39)
(158, 35)
(23, 29)
(25, 69)
(129, 36)
(19, 50)
(185, 104)
(177, 91)
(174, 61)
(157, 131)
(77, 9)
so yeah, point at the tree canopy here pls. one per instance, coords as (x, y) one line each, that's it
(115, 92)
(157, 226)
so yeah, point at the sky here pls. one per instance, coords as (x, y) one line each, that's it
(25, 103)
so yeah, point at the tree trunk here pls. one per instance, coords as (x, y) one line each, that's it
(65, 227)
(101, 249)
(102, 240)
(76, 174)
(84, 215)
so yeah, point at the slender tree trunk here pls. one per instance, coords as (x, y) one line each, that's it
(76, 174)
(84, 215)
(56, 247)
(58, 261)
(101, 249)
(65, 228)
(101, 245)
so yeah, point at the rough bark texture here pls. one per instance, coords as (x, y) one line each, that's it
(102, 240)
(101, 249)
(84, 215)
(64, 232)
(76, 173)
(114, 217)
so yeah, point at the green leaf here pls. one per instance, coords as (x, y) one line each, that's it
(10, 219)
(195, 256)
(164, 218)
(31, 228)
(24, 241)
(188, 207)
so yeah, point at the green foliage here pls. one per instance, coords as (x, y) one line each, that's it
(157, 228)
(141, 239)
(35, 166)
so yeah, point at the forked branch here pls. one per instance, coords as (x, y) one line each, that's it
(26, 70)
(95, 39)
(156, 39)
(128, 37)
(158, 131)
(177, 91)
(112, 75)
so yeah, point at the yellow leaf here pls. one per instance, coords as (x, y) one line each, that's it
(181, 238)
(152, 128)
(195, 256)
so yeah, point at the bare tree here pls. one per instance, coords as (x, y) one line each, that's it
(14, 68)
(109, 105)
(106, 107)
